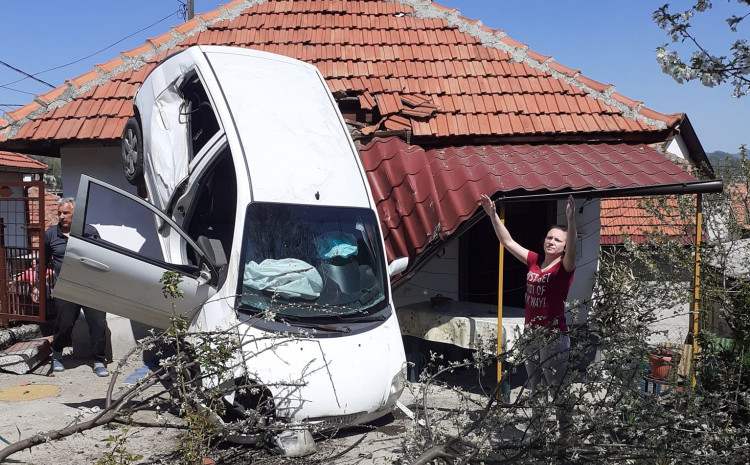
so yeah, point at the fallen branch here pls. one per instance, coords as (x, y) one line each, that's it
(107, 415)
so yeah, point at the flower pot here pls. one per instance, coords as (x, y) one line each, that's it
(660, 365)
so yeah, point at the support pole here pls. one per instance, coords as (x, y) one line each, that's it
(500, 269)
(696, 304)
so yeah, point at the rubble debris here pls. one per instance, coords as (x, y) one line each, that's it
(9, 336)
(23, 357)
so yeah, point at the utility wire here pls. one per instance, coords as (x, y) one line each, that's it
(89, 55)
(17, 90)
(26, 74)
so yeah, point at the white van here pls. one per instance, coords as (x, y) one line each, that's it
(256, 195)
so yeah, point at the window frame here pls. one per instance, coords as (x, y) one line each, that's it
(79, 222)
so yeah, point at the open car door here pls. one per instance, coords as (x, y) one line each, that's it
(119, 271)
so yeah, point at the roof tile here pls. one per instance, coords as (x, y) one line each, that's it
(387, 53)
(19, 161)
(407, 181)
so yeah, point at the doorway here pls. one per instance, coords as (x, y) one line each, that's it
(478, 257)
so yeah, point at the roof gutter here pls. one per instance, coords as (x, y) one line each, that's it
(695, 187)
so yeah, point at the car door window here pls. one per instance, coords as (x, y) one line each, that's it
(130, 227)
(213, 206)
(198, 113)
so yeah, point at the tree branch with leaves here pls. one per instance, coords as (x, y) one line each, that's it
(704, 65)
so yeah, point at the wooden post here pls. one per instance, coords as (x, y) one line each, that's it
(696, 304)
(500, 269)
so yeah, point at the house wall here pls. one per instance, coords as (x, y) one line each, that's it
(587, 257)
(101, 162)
(438, 276)
(10, 176)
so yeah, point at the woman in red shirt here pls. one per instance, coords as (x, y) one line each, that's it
(548, 280)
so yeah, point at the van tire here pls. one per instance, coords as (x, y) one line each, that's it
(131, 149)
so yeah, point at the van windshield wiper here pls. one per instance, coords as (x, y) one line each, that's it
(319, 326)
(356, 317)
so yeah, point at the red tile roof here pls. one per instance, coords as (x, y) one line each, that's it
(634, 218)
(420, 66)
(10, 161)
(423, 195)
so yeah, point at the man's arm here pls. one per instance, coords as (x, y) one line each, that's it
(569, 259)
(502, 233)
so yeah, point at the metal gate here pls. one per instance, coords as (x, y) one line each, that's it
(23, 279)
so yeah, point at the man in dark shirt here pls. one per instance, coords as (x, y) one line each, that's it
(55, 242)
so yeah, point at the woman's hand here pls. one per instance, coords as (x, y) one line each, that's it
(570, 209)
(488, 205)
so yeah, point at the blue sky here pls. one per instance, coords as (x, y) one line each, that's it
(611, 41)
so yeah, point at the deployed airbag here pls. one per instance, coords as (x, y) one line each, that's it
(288, 277)
(336, 244)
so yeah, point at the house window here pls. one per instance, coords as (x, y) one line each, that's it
(478, 258)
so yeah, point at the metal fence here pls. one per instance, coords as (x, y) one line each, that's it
(23, 281)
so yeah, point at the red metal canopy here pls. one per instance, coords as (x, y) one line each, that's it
(425, 195)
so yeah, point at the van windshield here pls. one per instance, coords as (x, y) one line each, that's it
(302, 261)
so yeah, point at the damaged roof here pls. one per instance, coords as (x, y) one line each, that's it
(412, 64)
(425, 195)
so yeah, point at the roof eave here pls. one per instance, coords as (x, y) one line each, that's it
(695, 149)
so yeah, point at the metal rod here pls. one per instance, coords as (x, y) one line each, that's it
(694, 187)
(500, 288)
(41, 268)
(695, 314)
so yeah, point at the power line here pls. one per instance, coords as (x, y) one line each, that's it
(18, 90)
(26, 74)
(11, 104)
(92, 54)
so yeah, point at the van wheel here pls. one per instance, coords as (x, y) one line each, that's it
(132, 152)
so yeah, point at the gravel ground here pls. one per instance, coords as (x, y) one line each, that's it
(77, 393)
(36, 403)
(74, 394)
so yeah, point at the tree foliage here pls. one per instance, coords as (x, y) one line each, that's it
(704, 65)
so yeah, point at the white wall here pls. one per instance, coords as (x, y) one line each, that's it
(588, 224)
(678, 148)
(438, 276)
(102, 163)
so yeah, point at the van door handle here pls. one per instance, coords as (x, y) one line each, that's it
(94, 264)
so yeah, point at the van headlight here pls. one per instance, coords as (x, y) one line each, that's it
(397, 387)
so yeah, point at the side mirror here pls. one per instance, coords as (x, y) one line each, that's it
(398, 266)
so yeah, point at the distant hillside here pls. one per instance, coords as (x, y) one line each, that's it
(724, 163)
(719, 154)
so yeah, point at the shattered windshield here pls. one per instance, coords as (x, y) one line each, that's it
(304, 261)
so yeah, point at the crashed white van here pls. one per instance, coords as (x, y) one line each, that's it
(256, 195)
